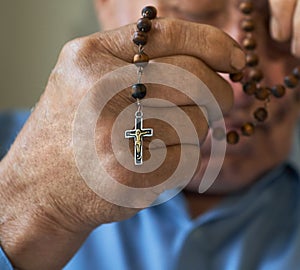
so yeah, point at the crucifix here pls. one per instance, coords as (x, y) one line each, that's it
(138, 133)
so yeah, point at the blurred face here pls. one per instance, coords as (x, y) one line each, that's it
(251, 157)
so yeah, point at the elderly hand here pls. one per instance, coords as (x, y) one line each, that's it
(285, 22)
(46, 209)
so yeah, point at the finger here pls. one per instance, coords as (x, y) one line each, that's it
(166, 120)
(282, 18)
(173, 37)
(296, 32)
(193, 82)
(218, 86)
(165, 129)
(175, 155)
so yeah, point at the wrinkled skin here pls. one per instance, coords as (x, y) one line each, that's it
(42, 190)
(46, 208)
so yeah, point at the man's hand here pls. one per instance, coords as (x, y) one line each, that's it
(46, 209)
(285, 22)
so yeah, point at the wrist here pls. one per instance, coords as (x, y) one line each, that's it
(32, 244)
(32, 233)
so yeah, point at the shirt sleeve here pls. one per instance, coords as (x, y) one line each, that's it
(4, 262)
(10, 124)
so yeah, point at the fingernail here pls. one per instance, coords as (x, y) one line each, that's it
(238, 59)
(275, 29)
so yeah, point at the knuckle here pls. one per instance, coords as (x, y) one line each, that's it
(81, 56)
(81, 51)
(70, 48)
(67, 58)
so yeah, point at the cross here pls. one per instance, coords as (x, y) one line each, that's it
(138, 133)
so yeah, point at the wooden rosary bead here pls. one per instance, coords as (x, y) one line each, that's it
(278, 91)
(291, 81)
(296, 72)
(149, 12)
(140, 38)
(141, 59)
(236, 77)
(248, 25)
(138, 91)
(252, 59)
(248, 129)
(262, 93)
(250, 88)
(261, 114)
(249, 43)
(246, 7)
(144, 25)
(232, 137)
(256, 75)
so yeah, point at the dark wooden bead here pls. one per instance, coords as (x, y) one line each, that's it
(138, 91)
(248, 129)
(144, 25)
(236, 77)
(250, 88)
(256, 75)
(291, 81)
(296, 72)
(252, 59)
(249, 43)
(278, 91)
(140, 38)
(261, 114)
(232, 137)
(262, 93)
(219, 133)
(141, 59)
(149, 12)
(248, 25)
(246, 7)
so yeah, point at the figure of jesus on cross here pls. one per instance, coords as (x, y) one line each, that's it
(138, 133)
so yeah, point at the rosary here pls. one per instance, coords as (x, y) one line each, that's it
(250, 78)
(251, 85)
(139, 90)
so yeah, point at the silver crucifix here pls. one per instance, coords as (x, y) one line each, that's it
(138, 133)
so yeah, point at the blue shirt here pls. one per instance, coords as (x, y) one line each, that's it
(255, 229)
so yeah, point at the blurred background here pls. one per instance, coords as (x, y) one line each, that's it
(32, 35)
